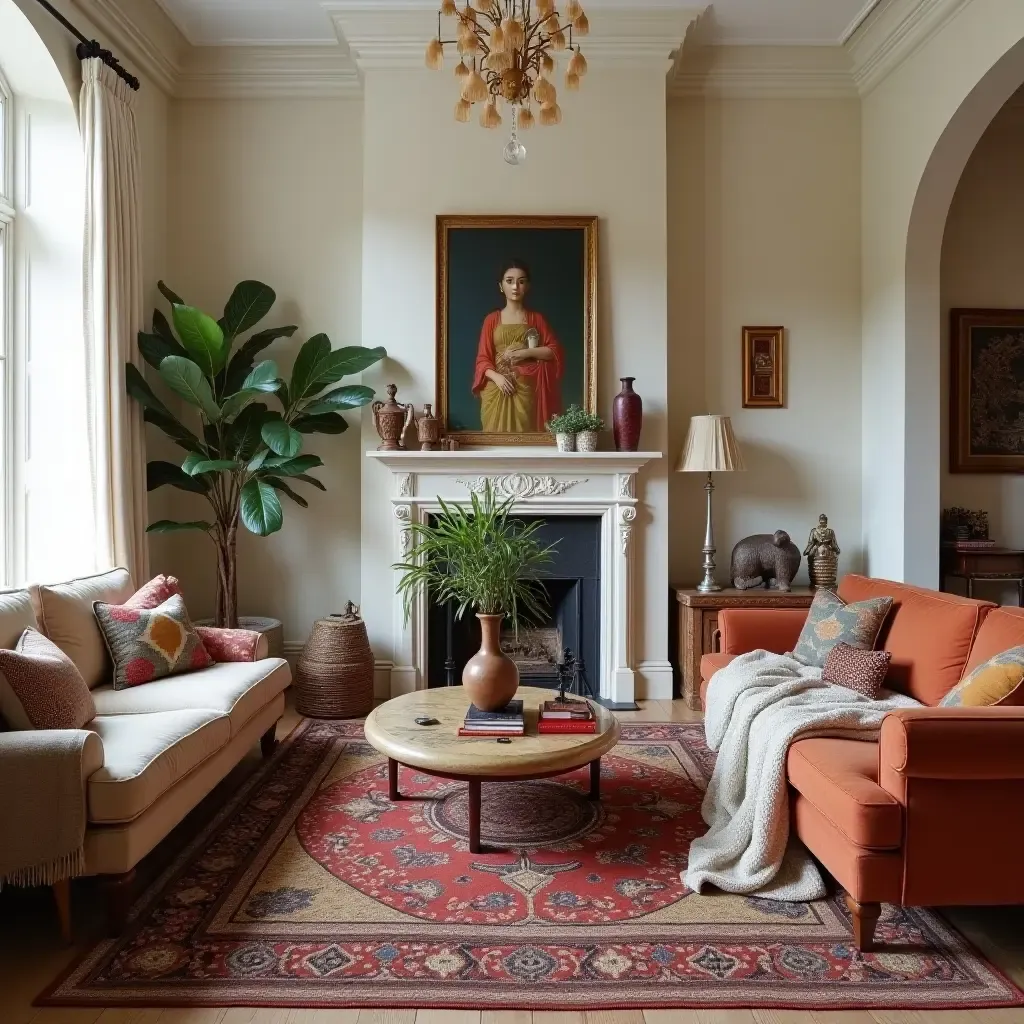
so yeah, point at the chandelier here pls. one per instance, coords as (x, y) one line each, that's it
(506, 52)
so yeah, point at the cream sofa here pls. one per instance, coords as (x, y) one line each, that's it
(154, 750)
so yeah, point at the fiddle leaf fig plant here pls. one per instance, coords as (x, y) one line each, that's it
(246, 428)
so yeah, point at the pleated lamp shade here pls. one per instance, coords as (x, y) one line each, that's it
(711, 447)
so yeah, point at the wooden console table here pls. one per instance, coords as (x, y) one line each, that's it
(1001, 565)
(698, 624)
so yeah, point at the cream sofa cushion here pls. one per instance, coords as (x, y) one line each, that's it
(238, 689)
(17, 614)
(146, 755)
(66, 617)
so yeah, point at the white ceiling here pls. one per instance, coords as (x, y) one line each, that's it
(306, 22)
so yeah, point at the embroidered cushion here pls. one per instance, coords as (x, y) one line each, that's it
(233, 644)
(856, 669)
(1000, 680)
(40, 688)
(148, 644)
(831, 620)
(155, 592)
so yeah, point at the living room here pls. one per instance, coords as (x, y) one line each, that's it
(282, 840)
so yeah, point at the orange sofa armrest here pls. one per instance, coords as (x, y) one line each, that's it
(961, 744)
(233, 644)
(760, 629)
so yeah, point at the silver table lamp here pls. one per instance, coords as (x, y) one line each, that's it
(711, 447)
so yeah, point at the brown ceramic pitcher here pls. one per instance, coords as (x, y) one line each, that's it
(391, 419)
(490, 677)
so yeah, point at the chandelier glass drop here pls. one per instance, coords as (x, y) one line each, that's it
(506, 55)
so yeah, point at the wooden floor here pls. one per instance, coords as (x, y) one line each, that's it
(31, 956)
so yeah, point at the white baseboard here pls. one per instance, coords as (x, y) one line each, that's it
(654, 680)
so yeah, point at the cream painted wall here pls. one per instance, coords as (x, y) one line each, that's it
(764, 229)
(983, 266)
(607, 158)
(272, 190)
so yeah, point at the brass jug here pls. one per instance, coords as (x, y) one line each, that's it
(391, 419)
(428, 428)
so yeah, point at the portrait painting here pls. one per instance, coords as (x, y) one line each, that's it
(986, 430)
(516, 340)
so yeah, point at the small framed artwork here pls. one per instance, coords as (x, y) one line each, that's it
(986, 414)
(763, 367)
(516, 334)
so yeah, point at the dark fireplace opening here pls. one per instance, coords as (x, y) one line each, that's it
(572, 619)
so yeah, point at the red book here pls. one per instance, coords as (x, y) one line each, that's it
(486, 734)
(549, 726)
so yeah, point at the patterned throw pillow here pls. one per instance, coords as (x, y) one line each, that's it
(40, 688)
(832, 620)
(856, 669)
(155, 592)
(233, 644)
(148, 644)
(1000, 680)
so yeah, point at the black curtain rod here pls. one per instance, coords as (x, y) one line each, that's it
(90, 48)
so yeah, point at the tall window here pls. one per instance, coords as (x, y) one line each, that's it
(6, 326)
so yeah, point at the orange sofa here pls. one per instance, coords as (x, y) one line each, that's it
(932, 814)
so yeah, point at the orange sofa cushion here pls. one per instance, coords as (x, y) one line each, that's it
(840, 778)
(1002, 629)
(709, 665)
(928, 634)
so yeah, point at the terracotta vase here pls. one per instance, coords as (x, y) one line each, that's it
(428, 429)
(490, 677)
(391, 419)
(627, 417)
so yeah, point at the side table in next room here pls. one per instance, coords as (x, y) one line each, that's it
(697, 624)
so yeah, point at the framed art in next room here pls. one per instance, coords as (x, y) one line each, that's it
(986, 424)
(764, 367)
(516, 334)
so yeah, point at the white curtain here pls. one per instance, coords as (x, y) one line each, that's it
(113, 317)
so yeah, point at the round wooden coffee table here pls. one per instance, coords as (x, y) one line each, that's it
(439, 750)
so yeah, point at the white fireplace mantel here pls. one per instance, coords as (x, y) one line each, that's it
(541, 481)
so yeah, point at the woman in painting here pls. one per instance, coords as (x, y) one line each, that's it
(519, 363)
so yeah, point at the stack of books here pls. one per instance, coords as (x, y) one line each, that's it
(567, 716)
(506, 722)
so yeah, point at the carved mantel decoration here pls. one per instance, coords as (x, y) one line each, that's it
(539, 481)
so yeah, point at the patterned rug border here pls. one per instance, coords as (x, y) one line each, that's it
(496, 995)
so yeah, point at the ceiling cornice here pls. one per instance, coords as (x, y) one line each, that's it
(764, 72)
(892, 33)
(394, 36)
(266, 72)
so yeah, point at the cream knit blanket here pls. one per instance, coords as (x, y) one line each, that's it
(756, 706)
(43, 803)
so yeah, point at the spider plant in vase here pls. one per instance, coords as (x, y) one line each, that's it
(479, 557)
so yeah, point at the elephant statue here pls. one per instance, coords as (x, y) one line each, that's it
(765, 559)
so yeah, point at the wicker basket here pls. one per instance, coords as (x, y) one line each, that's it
(334, 676)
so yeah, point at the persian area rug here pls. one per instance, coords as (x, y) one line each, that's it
(311, 889)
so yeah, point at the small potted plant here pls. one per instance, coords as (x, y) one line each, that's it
(588, 431)
(479, 558)
(566, 426)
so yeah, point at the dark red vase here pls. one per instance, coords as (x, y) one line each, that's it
(627, 417)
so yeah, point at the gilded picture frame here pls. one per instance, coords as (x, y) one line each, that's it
(764, 367)
(986, 410)
(557, 258)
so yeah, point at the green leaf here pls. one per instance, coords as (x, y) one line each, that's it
(261, 508)
(186, 379)
(307, 479)
(281, 438)
(282, 466)
(263, 378)
(322, 423)
(139, 389)
(181, 435)
(155, 348)
(237, 403)
(280, 485)
(163, 474)
(258, 459)
(352, 396)
(322, 367)
(202, 337)
(162, 327)
(212, 466)
(250, 302)
(173, 298)
(242, 360)
(170, 526)
(244, 435)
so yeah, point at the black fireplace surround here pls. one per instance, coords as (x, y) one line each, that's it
(573, 619)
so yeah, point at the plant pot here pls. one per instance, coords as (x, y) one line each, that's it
(490, 677)
(566, 442)
(586, 441)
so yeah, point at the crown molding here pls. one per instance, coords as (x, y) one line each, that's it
(266, 72)
(764, 72)
(395, 35)
(893, 32)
